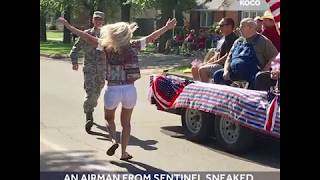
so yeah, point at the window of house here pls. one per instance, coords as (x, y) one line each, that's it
(251, 14)
(206, 18)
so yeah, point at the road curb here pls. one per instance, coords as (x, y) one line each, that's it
(55, 56)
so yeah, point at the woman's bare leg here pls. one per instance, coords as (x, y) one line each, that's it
(195, 73)
(204, 73)
(111, 126)
(126, 129)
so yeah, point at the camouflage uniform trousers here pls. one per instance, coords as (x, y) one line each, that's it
(94, 80)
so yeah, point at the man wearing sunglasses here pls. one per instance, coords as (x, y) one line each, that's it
(224, 45)
(249, 54)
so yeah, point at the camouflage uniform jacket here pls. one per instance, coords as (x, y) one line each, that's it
(91, 55)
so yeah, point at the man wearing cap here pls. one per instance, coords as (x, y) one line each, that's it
(94, 68)
(270, 30)
(250, 53)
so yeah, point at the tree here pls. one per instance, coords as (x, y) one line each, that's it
(43, 34)
(166, 7)
(94, 5)
(45, 7)
(102, 6)
(125, 10)
(66, 32)
(89, 4)
(66, 7)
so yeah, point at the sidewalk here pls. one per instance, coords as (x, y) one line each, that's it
(152, 63)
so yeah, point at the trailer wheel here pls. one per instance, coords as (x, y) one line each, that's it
(233, 137)
(196, 124)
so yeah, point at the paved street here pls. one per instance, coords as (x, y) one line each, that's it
(157, 142)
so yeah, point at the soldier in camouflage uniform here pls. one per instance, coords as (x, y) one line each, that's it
(122, 71)
(94, 68)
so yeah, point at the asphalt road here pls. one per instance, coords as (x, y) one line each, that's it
(157, 140)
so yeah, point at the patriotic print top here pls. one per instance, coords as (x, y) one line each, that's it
(123, 68)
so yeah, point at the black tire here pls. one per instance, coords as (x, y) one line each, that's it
(237, 139)
(204, 120)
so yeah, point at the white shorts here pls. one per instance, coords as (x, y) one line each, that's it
(126, 94)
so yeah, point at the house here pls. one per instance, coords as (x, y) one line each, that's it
(208, 12)
(146, 19)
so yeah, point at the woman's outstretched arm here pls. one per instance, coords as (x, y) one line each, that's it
(156, 34)
(93, 41)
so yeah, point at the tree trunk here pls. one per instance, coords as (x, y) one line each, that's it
(102, 6)
(66, 32)
(43, 33)
(57, 15)
(179, 17)
(91, 16)
(125, 11)
(166, 13)
(90, 7)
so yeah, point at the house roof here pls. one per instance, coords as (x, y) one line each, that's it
(231, 5)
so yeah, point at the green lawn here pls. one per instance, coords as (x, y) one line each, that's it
(55, 47)
(181, 69)
(54, 44)
(55, 35)
(150, 49)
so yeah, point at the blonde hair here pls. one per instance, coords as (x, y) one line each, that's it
(117, 35)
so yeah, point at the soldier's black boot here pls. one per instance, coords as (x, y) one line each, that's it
(89, 122)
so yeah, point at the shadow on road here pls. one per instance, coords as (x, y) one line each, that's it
(173, 131)
(70, 161)
(105, 136)
(265, 152)
(134, 141)
(135, 170)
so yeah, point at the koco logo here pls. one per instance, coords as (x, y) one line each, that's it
(250, 3)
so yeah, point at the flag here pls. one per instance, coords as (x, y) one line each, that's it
(274, 6)
(271, 114)
(244, 106)
(166, 89)
(275, 63)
